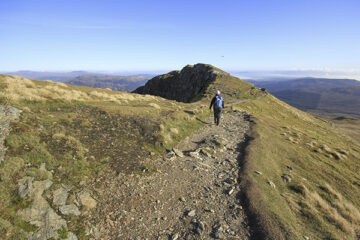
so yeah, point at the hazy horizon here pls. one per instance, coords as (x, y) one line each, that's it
(244, 74)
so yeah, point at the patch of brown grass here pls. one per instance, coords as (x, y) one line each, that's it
(18, 88)
(330, 212)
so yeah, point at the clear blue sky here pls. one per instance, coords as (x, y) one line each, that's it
(152, 35)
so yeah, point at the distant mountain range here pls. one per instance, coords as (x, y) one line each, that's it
(118, 83)
(53, 76)
(319, 95)
(83, 78)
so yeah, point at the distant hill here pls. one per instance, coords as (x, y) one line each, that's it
(83, 78)
(53, 76)
(319, 95)
(298, 83)
(330, 101)
(118, 83)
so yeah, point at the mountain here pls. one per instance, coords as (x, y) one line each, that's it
(94, 163)
(117, 83)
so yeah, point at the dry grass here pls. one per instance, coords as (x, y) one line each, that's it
(330, 212)
(18, 88)
(313, 151)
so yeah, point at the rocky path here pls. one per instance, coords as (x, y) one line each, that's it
(193, 193)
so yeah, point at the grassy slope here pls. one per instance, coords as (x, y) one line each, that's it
(323, 198)
(349, 126)
(320, 201)
(80, 133)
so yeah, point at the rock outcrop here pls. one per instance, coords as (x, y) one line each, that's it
(182, 85)
(7, 114)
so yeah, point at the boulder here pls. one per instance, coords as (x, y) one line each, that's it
(25, 186)
(69, 210)
(60, 195)
(178, 152)
(86, 200)
(41, 214)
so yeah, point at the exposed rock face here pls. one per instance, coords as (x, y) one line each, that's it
(69, 210)
(181, 85)
(60, 195)
(7, 114)
(40, 212)
(25, 186)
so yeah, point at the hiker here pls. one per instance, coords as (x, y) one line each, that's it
(218, 104)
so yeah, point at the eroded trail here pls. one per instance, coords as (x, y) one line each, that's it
(193, 194)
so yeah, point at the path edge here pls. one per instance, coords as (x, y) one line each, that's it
(262, 222)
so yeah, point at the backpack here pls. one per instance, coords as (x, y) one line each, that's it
(218, 101)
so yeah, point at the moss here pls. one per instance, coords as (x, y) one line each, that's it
(63, 233)
(38, 174)
(147, 168)
(20, 203)
(27, 227)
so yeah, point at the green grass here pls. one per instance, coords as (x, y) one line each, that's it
(283, 137)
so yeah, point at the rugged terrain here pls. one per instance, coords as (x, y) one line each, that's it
(191, 192)
(84, 163)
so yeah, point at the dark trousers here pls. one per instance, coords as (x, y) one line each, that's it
(217, 115)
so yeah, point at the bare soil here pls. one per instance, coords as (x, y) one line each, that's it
(195, 196)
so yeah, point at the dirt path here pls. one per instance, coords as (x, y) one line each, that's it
(195, 196)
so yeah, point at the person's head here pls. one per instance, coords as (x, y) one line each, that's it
(218, 93)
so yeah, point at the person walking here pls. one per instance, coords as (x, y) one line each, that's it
(218, 103)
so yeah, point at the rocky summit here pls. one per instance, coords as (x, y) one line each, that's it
(182, 85)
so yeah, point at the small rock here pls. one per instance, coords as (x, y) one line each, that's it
(191, 213)
(271, 184)
(182, 199)
(175, 236)
(178, 152)
(286, 178)
(257, 172)
(230, 191)
(306, 238)
(205, 152)
(194, 154)
(171, 155)
(174, 130)
(86, 200)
